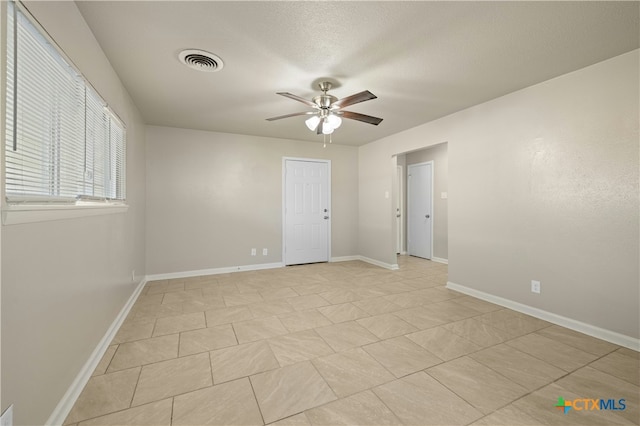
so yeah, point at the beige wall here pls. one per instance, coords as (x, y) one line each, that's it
(211, 197)
(437, 154)
(64, 282)
(543, 185)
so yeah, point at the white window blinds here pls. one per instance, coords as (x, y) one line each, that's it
(63, 143)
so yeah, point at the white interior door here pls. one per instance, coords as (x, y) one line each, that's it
(307, 213)
(420, 215)
(399, 211)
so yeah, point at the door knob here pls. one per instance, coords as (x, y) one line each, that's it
(326, 217)
(427, 216)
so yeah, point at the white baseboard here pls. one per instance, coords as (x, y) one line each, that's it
(588, 329)
(393, 267)
(214, 271)
(344, 258)
(433, 258)
(257, 267)
(70, 397)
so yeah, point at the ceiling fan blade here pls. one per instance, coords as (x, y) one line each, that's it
(298, 98)
(353, 99)
(361, 117)
(291, 115)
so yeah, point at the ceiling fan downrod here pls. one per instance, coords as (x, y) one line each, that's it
(324, 101)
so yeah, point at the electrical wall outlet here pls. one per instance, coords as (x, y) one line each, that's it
(7, 417)
(253, 252)
(535, 286)
(264, 251)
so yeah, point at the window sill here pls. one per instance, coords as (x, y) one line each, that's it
(14, 214)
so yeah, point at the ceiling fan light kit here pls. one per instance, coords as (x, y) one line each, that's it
(334, 121)
(312, 122)
(328, 112)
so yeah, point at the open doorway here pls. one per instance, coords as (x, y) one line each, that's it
(437, 155)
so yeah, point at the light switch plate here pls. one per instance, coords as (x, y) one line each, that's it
(443, 195)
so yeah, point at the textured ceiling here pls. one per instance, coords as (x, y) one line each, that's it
(423, 60)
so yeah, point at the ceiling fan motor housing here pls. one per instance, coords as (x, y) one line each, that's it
(324, 101)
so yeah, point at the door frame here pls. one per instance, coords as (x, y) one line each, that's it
(409, 204)
(284, 203)
(400, 202)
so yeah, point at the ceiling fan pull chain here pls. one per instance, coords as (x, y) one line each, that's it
(324, 140)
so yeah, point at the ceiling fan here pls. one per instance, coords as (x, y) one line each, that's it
(327, 115)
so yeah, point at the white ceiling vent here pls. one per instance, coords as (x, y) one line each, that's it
(201, 60)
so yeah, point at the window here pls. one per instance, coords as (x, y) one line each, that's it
(63, 144)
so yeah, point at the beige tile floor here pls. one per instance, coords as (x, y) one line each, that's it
(346, 343)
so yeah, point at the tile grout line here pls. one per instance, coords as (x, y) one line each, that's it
(255, 397)
(372, 390)
(135, 389)
(525, 353)
(173, 406)
(213, 382)
(106, 370)
(604, 372)
(112, 412)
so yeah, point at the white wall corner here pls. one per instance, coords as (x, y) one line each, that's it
(391, 266)
(588, 329)
(70, 397)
